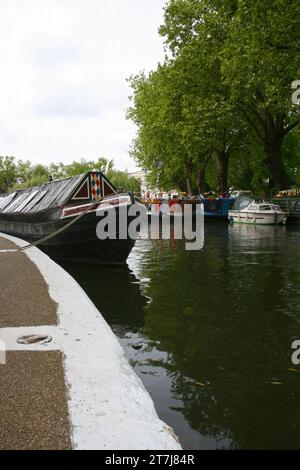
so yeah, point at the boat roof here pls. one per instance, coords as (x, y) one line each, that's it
(79, 188)
(261, 203)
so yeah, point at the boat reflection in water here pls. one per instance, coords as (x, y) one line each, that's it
(245, 233)
(115, 291)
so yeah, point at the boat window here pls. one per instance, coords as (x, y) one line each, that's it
(265, 208)
(241, 203)
(253, 207)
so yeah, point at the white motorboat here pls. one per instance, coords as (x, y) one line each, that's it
(253, 212)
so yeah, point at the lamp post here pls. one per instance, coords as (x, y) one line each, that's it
(267, 182)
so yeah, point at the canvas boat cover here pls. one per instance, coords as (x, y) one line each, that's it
(80, 188)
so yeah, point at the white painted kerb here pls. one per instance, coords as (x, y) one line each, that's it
(108, 405)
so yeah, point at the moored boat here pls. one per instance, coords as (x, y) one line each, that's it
(62, 216)
(217, 208)
(289, 201)
(213, 208)
(247, 211)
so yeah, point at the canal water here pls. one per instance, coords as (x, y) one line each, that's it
(209, 332)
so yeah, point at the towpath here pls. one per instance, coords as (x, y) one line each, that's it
(33, 403)
(70, 386)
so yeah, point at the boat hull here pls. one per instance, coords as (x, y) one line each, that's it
(291, 206)
(217, 209)
(78, 242)
(243, 217)
(213, 209)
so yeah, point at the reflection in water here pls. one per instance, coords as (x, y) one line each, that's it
(115, 291)
(213, 345)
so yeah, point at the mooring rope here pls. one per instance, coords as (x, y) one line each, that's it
(52, 235)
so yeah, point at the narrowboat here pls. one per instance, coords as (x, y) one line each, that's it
(62, 216)
(217, 208)
(213, 208)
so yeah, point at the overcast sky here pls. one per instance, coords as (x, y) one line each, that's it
(64, 64)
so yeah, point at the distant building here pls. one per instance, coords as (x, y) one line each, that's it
(150, 192)
(142, 177)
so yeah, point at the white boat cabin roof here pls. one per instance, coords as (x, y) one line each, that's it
(262, 206)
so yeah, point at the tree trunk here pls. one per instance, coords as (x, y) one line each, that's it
(271, 131)
(274, 133)
(189, 185)
(274, 161)
(223, 159)
(189, 173)
(201, 183)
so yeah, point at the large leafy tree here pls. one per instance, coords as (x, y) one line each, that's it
(183, 120)
(254, 46)
(210, 122)
(158, 115)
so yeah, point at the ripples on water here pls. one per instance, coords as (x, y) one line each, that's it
(210, 332)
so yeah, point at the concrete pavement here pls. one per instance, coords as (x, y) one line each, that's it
(71, 386)
(33, 398)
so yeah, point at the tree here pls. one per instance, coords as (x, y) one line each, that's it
(19, 174)
(124, 182)
(158, 147)
(8, 172)
(76, 168)
(184, 117)
(261, 88)
(252, 44)
(58, 170)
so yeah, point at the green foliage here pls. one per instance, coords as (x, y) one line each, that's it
(124, 182)
(18, 174)
(76, 168)
(183, 117)
(158, 146)
(8, 172)
(222, 95)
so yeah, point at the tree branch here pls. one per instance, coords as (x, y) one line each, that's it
(253, 110)
(252, 124)
(291, 127)
(281, 47)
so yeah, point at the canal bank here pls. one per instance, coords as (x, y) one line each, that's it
(75, 388)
